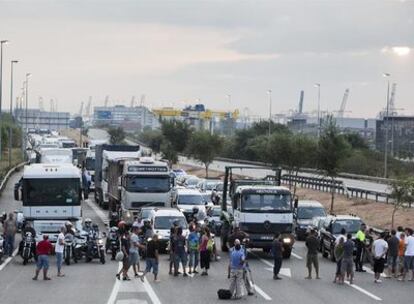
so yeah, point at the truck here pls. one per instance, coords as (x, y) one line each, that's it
(259, 207)
(103, 155)
(51, 195)
(54, 156)
(89, 165)
(144, 182)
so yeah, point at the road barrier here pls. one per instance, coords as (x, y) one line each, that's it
(8, 174)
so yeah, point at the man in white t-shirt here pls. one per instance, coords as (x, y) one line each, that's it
(59, 247)
(380, 248)
(409, 254)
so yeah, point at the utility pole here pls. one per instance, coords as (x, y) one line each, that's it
(387, 75)
(2, 42)
(11, 112)
(318, 85)
(270, 111)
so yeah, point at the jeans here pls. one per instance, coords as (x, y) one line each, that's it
(59, 260)
(180, 257)
(193, 258)
(8, 244)
(42, 262)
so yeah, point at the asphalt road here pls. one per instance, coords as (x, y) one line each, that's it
(96, 283)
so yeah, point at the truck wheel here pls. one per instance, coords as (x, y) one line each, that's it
(332, 255)
(324, 252)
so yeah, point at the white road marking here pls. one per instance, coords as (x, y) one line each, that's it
(368, 270)
(7, 261)
(151, 293)
(115, 289)
(262, 293)
(296, 256)
(131, 286)
(131, 301)
(283, 271)
(360, 289)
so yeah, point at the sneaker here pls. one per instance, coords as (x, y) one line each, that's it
(378, 281)
(277, 278)
(185, 275)
(250, 293)
(195, 271)
(204, 273)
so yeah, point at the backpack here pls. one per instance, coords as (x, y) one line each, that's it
(224, 294)
(210, 244)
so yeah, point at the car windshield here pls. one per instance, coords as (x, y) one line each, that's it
(266, 202)
(308, 213)
(166, 222)
(148, 184)
(211, 185)
(90, 164)
(145, 213)
(51, 192)
(192, 181)
(350, 226)
(190, 199)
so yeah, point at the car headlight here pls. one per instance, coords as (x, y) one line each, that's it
(100, 242)
(128, 214)
(287, 240)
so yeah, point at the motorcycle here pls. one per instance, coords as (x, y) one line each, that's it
(79, 246)
(68, 250)
(1, 248)
(95, 249)
(112, 242)
(27, 252)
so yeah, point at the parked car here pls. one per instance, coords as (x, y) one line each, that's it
(305, 212)
(331, 229)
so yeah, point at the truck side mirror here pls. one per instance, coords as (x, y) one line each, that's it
(16, 193)
(296, 202)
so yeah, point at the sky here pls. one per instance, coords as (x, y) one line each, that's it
(225, 54)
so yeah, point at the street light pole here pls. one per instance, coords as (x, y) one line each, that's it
(270, 111)
(387, 75)
(11, 111)
(318, 85)
(2, 42)
(26, 106)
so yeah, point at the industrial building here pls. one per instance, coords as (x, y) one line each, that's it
(37, 119)
(400, 134)
(130, 118)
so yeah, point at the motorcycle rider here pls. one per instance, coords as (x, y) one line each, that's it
(69, 228)
(87, 225)
(28, 229)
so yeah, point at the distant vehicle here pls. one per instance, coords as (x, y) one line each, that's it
(67, 143)
(179, 172)
(304, 214)
(187, 199)
(331, 229)
(207, 185)
(191, 182)
(162, 219)
(90, 167)
(55, 156)
(214, 219)
(145, 213)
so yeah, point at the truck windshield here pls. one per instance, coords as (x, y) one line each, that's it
(351, 226)
(269, 202)
(51, 192)
(191, 199)
(166, 222)
(90, 164)
(308, 213)
(148, 183)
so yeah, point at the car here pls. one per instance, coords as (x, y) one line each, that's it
(331, 229)
(207, 185)
(145, 213)
(303, 216)
(191, 182)
(162, 219)
(179, 172)
(187, 199)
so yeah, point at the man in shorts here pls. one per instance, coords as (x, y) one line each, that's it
(312, 244)
(380, 248)
(409, 254)
(152, 258)
(43, 249)
(347, 259)
(133, 249)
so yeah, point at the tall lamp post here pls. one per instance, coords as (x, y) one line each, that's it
(26, 106)
(13, 62)
(386, 75)
(270, 111)
(318, 85)
(2, 42)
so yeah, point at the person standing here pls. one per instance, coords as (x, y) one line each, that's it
(339, 254)
(134, 249)
(237, 260)
(347, 265)
(277, 252)
(380, 248)
(125, 245)
(360, 244)
(59, 248)
(409, 254)
(152, 259)
(401, 252)
(10, 229)
(204, 252)
(193, 249)
(312, 244)
(173, 234)
(180, 252)
(43, 249)
(392, 259)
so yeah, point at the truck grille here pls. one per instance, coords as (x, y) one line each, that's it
(265, 227)
(147, 204)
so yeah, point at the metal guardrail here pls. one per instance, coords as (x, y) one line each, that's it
(8, 174)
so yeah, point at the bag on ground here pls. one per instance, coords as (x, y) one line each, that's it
(224, 294)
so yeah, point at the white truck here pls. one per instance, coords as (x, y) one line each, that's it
(144, 182)
(51, 195)
(55, 156)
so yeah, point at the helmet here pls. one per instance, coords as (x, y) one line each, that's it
(68, 224)
(121, 225)
(95, 226)
(88, 221)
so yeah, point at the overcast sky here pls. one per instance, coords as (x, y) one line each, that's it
(179, 52)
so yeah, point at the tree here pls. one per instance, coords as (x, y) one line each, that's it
(177, 133)
(152, 138)
(356, 141)
(169, 153)
(116, 135)
(204, 147)
(332, 151)
(402, 193)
